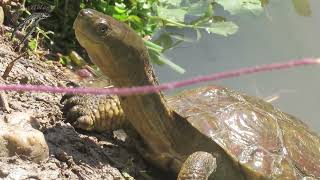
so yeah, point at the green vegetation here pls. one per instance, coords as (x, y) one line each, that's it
(146, 17)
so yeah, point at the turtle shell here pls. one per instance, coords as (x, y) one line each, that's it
(263, 140)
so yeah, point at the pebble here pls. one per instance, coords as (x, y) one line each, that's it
(18, 137)
(1, 16)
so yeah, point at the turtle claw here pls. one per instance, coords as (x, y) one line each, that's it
(84, 122)
(92, 113)
(77, 112)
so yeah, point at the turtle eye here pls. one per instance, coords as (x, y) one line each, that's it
(102, 28)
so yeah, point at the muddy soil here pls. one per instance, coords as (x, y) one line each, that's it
(74, 154)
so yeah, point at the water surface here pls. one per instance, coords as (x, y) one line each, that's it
(279, 34)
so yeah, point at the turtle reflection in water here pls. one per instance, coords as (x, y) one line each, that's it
(207, 131)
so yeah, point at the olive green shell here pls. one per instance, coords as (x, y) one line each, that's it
(263, 140)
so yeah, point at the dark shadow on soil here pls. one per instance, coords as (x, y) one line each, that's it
(83, 148)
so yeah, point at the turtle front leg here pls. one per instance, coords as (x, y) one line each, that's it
(93, 113)
(198, 166)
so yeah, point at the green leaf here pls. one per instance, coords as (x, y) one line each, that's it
(120, 5)
(302, 7)
(162, 60)
(155, 52)
(171, 64)
(174, 3)
(209, 12)
(120, 17)
(240, 6)
(135, 19)
(146, 6)
(153, 46)
(164, 40)
(223, 28)
(64, 60)
(174, 14)
(32, 44)
(120, 9)
(198, 9)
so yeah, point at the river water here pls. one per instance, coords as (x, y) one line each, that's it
(279, 34)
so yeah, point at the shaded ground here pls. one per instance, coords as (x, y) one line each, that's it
(73, 154)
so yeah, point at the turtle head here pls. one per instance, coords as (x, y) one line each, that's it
(112, 45)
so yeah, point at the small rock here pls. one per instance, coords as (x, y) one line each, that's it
(4, 173)
(62, 156)
(120, 134)
(84, 73)
(1, 15)
(18, 137)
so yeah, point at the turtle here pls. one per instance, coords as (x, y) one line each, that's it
(208, 132)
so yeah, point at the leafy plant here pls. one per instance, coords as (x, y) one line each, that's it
(146, 17)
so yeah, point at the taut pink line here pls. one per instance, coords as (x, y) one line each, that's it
(161, 87)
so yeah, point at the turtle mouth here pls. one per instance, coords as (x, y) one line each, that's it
(83, 39)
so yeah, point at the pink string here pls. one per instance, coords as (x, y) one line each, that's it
(161, 87)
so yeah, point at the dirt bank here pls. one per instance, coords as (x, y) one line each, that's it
(72, 154)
